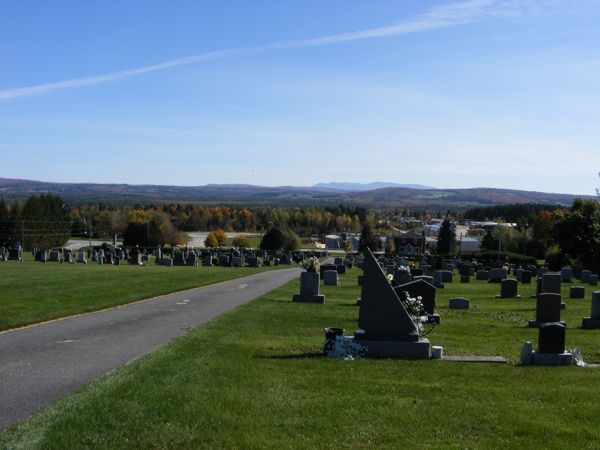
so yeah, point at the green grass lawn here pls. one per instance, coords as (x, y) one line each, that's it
(255, 378)
(32, 292)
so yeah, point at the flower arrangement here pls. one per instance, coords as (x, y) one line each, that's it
(311, 264)
(414, 307)
(344, 347)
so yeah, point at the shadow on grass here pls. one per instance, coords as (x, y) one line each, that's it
(307, 355)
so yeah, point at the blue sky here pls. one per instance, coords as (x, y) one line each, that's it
(473, 93)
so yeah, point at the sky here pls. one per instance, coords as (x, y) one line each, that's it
(450, 94)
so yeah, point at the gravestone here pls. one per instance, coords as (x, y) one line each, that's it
(547, 309)
(207, 260)
(436, 276)
(179, 259)
(458, 303)
(465, 278)
(341, 269)
(551, 282)
(585, 276)
(192, 259)
(236, 261)
(577, 292)
(54, 256)
(482, 275)
(466, 270)
(526, 277)
(110, 258)
(593, 280)
(447, 276)
(117, 261)
(551, 346)
(81, 257)
(519, 274)
(330, 278)
(497, 274)
(223, 260)
(68, 257)
(420, 288)
(417, 272)
(593, 322)
(309, 289)
(386, 328)
(508, 289)
(566, 274)
(338, 261)
(427, 278)
(324, 267)
(253, 261)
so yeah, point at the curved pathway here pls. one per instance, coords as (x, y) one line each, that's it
(41, 363)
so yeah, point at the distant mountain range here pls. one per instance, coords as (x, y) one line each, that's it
(367, 186)
(323, 194)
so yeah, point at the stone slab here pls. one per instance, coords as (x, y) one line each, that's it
(420, 349)
(536, 324)
(552, 359)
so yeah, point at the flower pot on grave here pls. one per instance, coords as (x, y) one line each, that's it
(332, 332)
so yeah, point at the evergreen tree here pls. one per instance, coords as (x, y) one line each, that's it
(367, 239)
(274, 239)
(446, 238)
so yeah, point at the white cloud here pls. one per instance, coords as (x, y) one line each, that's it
(448, 15)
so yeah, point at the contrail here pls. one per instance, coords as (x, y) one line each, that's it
(453, 14)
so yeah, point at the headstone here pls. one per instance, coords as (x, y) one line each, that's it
(585, 276)
(420, 288)
(324, 267)
(458, 303)
(551, 338)
(526, 277)
(81, 257)
(253, 261)
(497, 275)
(566, 274)
(387, 329)
(547, 309)
(68, 257)
(402, 276)
(508, 289)
(482, 275)
(54, 256)
(338, 261)
(341, 269)
(117, 261)
(417, 272)
(593, 280)
(551, 282)
(427, 278)
(192, 259)
(309, 289)
(207, 260)
(519, 274)
(236, 261)
(223, 260)
(447, 276)
(593, 321)
(330, 278)
(577, 292)
(179, 259)
(465, 279)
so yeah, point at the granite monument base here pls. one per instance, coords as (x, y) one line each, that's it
(589, 323)
(551, 359)
(387, 348)
(320, 298)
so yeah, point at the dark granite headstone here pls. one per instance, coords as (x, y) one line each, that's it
(548, 308)
(508, 288)
(551, 338)
(551, 282)
(324, 267)
(526, 277)
(577, 292)
(585, 276)
(382, 315)
(420, 288)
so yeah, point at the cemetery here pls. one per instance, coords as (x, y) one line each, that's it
(481, 367)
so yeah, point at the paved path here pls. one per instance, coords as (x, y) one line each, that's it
(42, 363)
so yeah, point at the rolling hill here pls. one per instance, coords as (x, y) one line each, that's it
(389, 197)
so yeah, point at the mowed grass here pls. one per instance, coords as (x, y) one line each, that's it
(32, 292)
(255, 378)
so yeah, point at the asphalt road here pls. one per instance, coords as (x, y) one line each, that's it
(42, 363)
